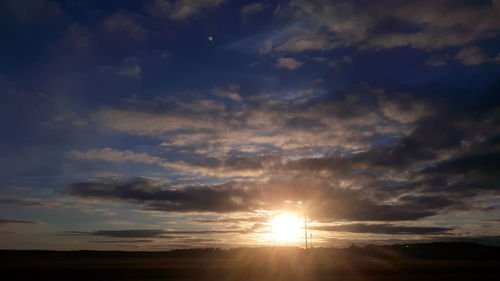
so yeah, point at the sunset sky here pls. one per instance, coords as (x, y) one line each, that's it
(153, 125)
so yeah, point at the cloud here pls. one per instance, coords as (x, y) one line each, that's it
(303, 40)
(130, 67)
(493, 220)
(383, 229)
(253, 8)
(230, 93)
(288, 63)
(350, 153)
(205, 105)
(325, 202)
(124, 23)
(179, 10)
(323, 25)
(477, 164)
(196, 198)
(438, 60)
(129, 233)
(259, 124)
(12, 221)
(345, 60)
(317, 153)
(471, 56)
(150, 123)
(405, 109)
(230, 220)
(121, 241)
(497, 58)
(113, 155)
(231, 166)
(212, 131)
(148, 233)
(28, 202)
(266, 47)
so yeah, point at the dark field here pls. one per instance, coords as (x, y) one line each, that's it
(437, 261)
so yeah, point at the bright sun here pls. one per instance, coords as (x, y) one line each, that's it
(286, 228)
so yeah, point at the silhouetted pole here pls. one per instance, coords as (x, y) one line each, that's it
(311, 240)
(305, 230)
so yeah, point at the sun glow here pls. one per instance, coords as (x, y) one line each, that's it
(286, 228)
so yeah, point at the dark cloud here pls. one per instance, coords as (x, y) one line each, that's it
(151, 233)
(431, 137)
(323, 200)
(222, 198)
(439, 157)
(200, 240)
(135, 233)
(384, 229)
(120, 241)
(26, 202)
(428, 202)
(493, 220)
(130, 233)
(484, 164)
(187, 232)
(12, 221)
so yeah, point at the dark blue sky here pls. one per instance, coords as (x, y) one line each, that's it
(208, 118)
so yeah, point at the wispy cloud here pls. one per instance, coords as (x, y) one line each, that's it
(179, 10)
(113, 155)
(130, 67)
(253, 8)
(126, 24)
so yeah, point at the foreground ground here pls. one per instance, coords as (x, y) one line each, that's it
(439, 261)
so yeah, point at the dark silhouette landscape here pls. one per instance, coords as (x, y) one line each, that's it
(432, 261)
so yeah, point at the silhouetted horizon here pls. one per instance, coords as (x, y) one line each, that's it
(413, 245)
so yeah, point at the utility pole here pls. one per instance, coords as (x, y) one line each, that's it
(305, 229)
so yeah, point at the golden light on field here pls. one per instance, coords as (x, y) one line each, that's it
(286, 228)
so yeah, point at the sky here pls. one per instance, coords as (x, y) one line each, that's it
(162, 124)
